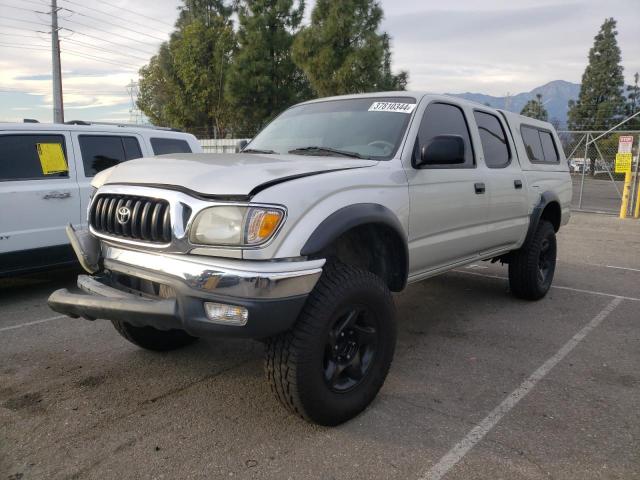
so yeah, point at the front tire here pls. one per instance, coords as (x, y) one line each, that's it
(531, 268)
(332, 364)
(153, 339)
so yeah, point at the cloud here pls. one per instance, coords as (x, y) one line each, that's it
(488, 46)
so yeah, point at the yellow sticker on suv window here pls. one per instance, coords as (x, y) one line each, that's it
(52, 158)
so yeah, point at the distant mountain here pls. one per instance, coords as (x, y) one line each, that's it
(555, 96)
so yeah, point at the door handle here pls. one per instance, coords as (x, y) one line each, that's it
(57, 195)
(480, 188)
(517, 184)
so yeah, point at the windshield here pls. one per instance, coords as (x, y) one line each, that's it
(362, 128)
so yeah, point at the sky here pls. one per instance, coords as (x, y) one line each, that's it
(486, 46)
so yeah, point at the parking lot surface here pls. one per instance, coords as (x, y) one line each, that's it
(482, 386)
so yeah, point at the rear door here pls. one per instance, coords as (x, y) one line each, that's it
(39, 195)
(508, 217)
(99, 151)
(448, 203)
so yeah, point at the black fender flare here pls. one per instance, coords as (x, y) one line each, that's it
(346, 218)
(545, 199)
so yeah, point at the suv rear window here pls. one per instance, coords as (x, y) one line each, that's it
(540, 145)
(162, 146)
(100, 152)
(20, 160)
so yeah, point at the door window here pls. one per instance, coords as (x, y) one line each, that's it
(162, 146)
(30, 157)
(493, 139)
(100, 152)
(444, 119)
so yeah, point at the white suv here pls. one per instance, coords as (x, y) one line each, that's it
(45, 176)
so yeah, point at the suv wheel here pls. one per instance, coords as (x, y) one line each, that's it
(330, 366)
(531, 268)
(152, 338)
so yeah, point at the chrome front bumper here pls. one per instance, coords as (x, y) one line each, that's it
(232, 278)
(273, 293)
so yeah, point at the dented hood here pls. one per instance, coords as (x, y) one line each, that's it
(233, 174)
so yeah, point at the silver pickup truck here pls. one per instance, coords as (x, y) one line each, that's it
(300, 239)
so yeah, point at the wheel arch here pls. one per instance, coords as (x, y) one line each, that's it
(548, 208)
(342, 235)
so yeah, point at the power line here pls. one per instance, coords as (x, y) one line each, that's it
(18, 45)
(95, 47)
(93, 27)
(22, 8)
(117, 25)
(135, 13)
(13, 35)
(72, 92)
(119, 18)
(25, 21)
(107, 41)
(103, 60)
(35, 2)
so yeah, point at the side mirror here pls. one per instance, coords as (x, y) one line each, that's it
(240, 145)
(442, 150)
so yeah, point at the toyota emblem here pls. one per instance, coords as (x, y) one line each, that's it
(123, 215)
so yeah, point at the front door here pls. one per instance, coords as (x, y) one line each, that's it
(448, 202)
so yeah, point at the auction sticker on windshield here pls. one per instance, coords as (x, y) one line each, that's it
(392, 107)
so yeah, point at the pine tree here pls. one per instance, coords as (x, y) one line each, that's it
(341, 51)
(263, 79)
(601, 101)
(534, 108)
(182, 86)
(633, 103)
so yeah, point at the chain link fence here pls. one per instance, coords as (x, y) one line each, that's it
(591, 156)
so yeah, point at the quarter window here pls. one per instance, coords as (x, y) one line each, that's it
(493, 139)
(100, 152)
(445, 119)
(162, 146)
(539, 145)
(21, 160)
(549, 148)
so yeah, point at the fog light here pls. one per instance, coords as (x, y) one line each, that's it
(227, 314)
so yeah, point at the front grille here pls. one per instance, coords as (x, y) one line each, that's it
(149, 219)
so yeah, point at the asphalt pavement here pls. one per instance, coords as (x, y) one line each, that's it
(483, 386)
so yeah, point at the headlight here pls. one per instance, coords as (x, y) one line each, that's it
(235, 225)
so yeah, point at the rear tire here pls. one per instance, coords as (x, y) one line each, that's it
(153, 339)
(331, 365)
(531, 268)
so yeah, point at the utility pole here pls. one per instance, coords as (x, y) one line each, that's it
(58, 109)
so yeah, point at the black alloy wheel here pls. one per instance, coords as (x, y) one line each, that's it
(351, 348)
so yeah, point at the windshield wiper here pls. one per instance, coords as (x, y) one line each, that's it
(321, 150)
(257, 150)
